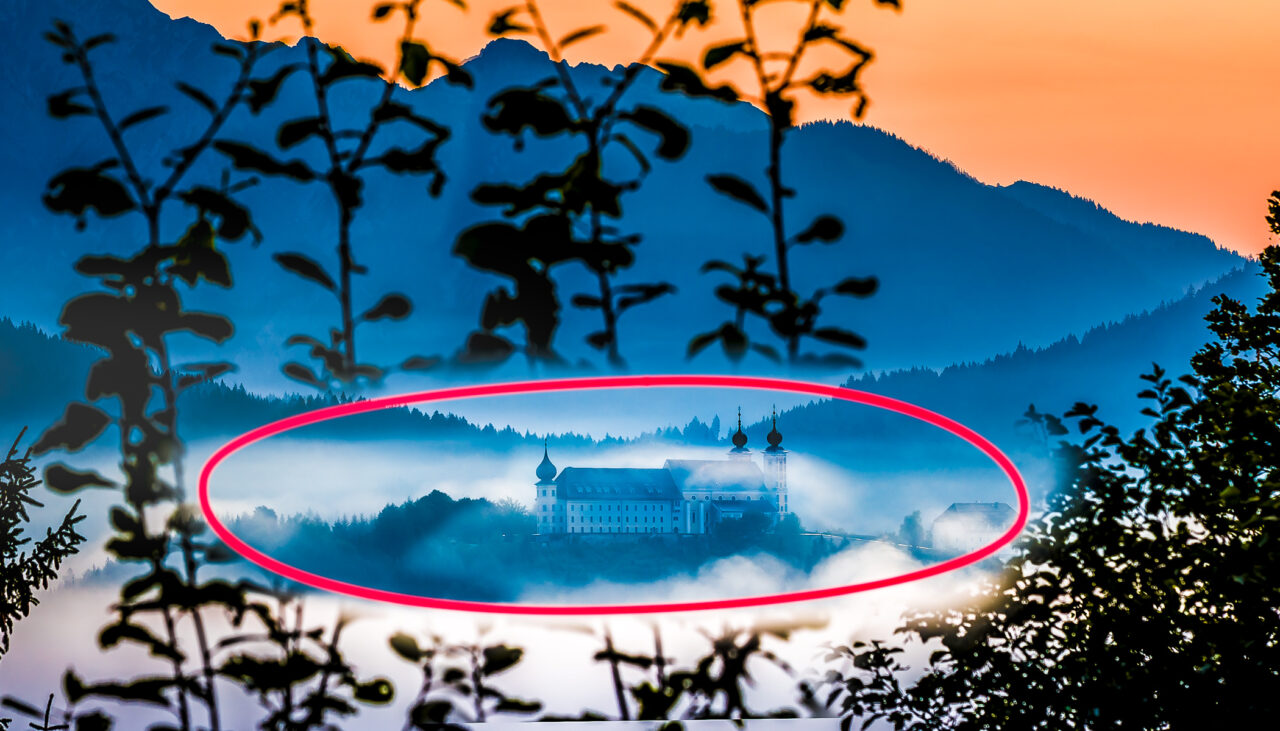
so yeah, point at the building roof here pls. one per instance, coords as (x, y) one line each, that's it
(705, 474)
(994, 514)
(615, 483)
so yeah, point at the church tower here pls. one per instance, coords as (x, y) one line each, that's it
(545, 506)
(740, 451)
(775, 465)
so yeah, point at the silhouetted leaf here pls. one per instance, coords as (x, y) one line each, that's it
(141, 116)
(246, 157)
(202, 372)
(694, 11)
(501, 23)
(197, 258)
(740, 190)
(414, 61)
(206, 325)
(419, 363)
(515, 705)
(263, 91)
(430, 715)
(680, 77)
(840, 337)
(767, 351)
(579, 35)
(77, 190)
(20, 706)
(93, 721)
(199, 96)
(296, 130)
(394, 306)
(343, 66)
(79, 425)
(299, 372)
(61, 106)
(498, 658)
(229, 50)
(638, 294)
(700, 343)
(61, 478)
(99, 40)
(674, 136)
(381, 11)
(599, 339)
(514, 110)
(717, 55)
(734, 341)
(406, 647)
(307, 268)
(638, 14)
(824, 228)
(857, 286)
(233, 219)
(374, 692)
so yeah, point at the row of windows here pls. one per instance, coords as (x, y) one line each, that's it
(631, 529)
(609, 519)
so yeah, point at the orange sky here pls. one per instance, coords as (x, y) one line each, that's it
(1160, 110)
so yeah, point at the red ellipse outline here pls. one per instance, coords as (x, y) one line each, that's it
(607, 382)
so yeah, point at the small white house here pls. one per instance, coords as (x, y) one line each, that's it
(964, 527)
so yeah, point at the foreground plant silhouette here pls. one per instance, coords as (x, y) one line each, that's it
(570, 215)
(1146, 596)
(135, 388)
(773, 296)
(348, 155)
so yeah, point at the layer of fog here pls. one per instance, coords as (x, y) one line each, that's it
(340, 479)
(557, 667)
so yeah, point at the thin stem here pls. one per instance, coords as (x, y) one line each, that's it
(477, 684)
(794, 61)
(659, 660)
(192, 153)
(202, 639)
(336, 172)
(428, 681)
(776, 128)
(599, 126)
(606, 304)
(170, 626)
(624, 712)
(553, 49)
(371, 129)
(113, 131)
(316, 715)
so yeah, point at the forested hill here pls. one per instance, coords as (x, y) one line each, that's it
(39, 373)
(1100, 367)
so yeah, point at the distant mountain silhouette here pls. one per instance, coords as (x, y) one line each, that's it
(966, 269)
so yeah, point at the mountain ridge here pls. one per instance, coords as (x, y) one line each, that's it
(966, 268)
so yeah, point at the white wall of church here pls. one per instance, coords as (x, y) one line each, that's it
(620, 516)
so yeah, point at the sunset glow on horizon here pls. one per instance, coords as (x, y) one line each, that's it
(1160, 111)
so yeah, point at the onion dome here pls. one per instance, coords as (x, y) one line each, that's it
(775, 436)
(546, 471)
(739, 438)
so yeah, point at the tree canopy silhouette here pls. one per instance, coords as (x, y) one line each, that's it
(1147, 594)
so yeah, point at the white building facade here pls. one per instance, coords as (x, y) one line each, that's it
(683, 496)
